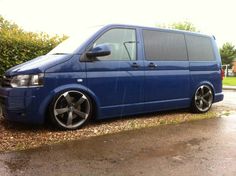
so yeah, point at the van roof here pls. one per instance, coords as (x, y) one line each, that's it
(156, 28)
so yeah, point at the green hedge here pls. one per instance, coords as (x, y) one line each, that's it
(18, 46)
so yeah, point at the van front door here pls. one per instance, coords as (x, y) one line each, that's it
(117, 79)
(167, 70)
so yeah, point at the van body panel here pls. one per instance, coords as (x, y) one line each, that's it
(205, 71)
(169, 80)
(117, 85)
(38, 65)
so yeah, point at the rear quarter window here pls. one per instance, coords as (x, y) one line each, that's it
(199, 48)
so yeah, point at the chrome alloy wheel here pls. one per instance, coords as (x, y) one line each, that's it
(203, 98)
(71, 109)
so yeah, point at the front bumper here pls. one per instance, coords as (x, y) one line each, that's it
(20, 105)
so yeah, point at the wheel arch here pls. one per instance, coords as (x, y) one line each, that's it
(201, 84)
(46, 102)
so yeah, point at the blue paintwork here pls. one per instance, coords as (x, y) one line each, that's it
(116, 88)
(38, 65)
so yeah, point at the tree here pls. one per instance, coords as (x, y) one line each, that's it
(228, 53)
(185, 25)
(17, 45)
(7, 25)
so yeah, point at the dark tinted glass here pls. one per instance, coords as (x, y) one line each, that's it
(122, 43)
(164, 46)
(199, 48)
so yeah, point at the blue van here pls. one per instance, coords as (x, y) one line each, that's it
(112, 71)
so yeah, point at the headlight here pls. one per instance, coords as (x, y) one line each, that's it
(27, 80)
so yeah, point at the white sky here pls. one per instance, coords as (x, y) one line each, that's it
(215, 17)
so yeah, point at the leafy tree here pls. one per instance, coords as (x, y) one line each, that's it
(228, 53)
(17, 45)
(185, 25)
(6, 25)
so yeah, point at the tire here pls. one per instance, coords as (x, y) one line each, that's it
(202, 100)
(70, 110)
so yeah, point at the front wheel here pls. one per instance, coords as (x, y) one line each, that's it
(203, 99)
(70, 110)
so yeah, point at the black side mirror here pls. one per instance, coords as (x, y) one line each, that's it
(99, 50)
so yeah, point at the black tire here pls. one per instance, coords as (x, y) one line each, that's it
(70, 110)
(202, 99)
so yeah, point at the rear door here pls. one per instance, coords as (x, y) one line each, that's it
(167, 70)
(117, 80)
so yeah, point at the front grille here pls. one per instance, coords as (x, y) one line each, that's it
(5, 81)
(16, 103)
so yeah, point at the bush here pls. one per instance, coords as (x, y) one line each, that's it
(18, 46)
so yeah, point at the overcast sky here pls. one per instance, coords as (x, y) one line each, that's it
(215, 17)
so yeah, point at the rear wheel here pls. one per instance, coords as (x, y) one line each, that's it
(70, 110)
(203, 99)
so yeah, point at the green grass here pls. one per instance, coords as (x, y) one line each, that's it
(229, 81)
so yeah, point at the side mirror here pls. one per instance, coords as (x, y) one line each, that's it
(99, 50)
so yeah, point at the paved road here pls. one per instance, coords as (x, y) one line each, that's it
(206, 147)
(229, 99)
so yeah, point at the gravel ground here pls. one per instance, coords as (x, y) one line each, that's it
(15, 136)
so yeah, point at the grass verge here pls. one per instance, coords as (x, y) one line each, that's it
(229, 81)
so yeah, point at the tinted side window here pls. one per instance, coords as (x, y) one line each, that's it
(164, 45)
(199, 48)
(122, 43)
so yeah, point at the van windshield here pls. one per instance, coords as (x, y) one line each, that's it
(70, 45)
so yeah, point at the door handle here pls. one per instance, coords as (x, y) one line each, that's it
(152, 65)
(135, 65)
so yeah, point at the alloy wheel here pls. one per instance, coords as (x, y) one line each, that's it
(71, 109)
(203, 98)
